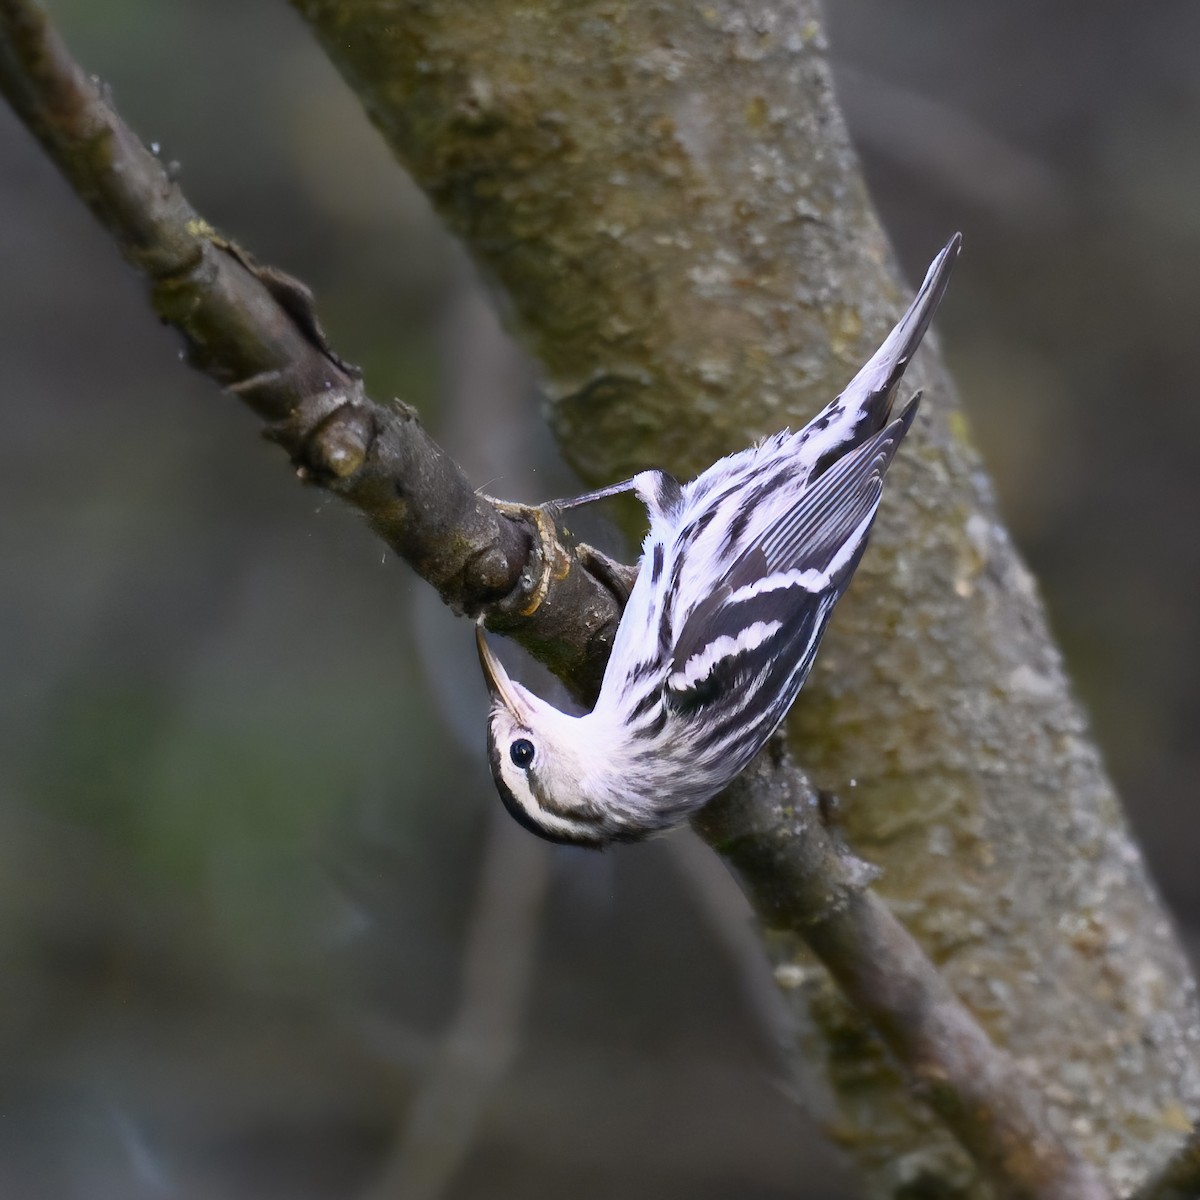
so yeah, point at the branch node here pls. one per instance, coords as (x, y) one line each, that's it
(548, 561)
(339, 444)
(493, 571)
(244, 389)
(300, 432)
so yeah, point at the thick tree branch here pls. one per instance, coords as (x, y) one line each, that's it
(253, 330)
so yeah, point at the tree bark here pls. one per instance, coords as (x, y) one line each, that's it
(666, 198)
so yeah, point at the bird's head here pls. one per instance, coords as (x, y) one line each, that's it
(548, 765)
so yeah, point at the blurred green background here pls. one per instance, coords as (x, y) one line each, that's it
(245, 822)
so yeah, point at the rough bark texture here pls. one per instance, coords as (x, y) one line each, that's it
(665, 195)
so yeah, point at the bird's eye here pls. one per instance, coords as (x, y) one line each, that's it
(521, 752)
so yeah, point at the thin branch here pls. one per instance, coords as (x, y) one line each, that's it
(252, 329)
(1180, 1178)
(482, 1038)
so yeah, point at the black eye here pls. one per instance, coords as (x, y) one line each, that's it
(521, 752)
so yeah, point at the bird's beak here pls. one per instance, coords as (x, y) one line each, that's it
(498, 682)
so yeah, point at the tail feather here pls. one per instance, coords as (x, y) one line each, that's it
(873, 389)
(865, 405)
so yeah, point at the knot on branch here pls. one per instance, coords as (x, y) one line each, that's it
(548, 561)
(338, 446)
(328, 435)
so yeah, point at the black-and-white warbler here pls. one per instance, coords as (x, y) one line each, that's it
(739, 573)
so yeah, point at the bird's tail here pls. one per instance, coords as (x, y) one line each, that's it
(865, 406)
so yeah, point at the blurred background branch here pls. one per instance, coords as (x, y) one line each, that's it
(481, 1039)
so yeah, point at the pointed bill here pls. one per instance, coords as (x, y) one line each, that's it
(499, 685)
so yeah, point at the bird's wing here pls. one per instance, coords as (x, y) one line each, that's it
(761, 623)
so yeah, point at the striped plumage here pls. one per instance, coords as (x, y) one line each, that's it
(739, 573)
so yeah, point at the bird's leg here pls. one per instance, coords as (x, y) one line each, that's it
(617, 577)
(615, 489)
(658, 491)
(553, 507)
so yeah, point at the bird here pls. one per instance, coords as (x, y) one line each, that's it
(739, 572)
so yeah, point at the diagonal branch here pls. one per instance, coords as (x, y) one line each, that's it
(253, 331)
